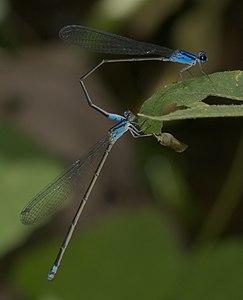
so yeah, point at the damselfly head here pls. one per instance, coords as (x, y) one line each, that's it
(202, 56)
(129, 116)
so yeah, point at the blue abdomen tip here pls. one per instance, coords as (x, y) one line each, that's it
(52, 273)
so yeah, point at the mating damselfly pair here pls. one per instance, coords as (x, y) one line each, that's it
(54, 194)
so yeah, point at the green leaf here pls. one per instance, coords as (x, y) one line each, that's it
(189, 96)
(130, 256)
(212, 273)
(24, 170)
(210, 111)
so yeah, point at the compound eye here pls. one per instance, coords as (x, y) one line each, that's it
(203, 57)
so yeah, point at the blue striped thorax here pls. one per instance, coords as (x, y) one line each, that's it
(185, 57)
(123, 126)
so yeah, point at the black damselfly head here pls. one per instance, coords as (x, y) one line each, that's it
(202, 56)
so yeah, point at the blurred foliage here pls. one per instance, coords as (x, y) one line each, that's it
(134, 257)
(24, 169)
(186, 240)
(115, 260)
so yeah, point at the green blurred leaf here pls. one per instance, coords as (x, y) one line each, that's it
(212, 273)
(187, 96)
(132, 257)
(24, 170)
(128, 257)
(4, 9)
(170, 187)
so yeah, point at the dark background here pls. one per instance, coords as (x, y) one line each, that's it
(159, 225)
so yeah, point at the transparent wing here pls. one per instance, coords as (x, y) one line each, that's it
(56, 192)
(105, 42)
